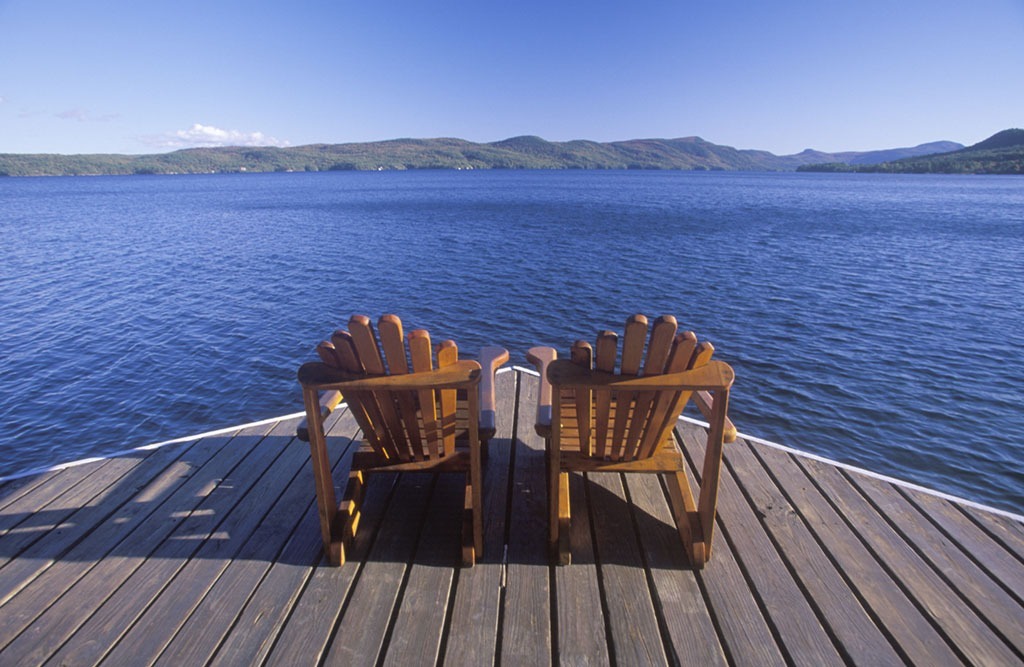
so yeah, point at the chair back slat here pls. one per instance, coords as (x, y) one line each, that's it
(583, 355)
(633, 345)
(662, 417)
(325, 350)
(623, 425)
(447, 354)
(340, 352)
(345, 349)
(399, 425)
(662, 337)
(702, 355)
(632, 354)
(604, 358)
(682, 353)
(380, 405)
(389, 328)
(422, 360)
(365, 340)
(392, 340)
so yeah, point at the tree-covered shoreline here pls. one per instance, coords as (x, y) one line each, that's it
(1002, 153)
(690, 153)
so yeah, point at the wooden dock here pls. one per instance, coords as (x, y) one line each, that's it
(208, 552)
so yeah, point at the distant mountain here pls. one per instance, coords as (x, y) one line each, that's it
(1012, 138)
(526, 152)
(877, 157)
(1002, 153)
(813, 157)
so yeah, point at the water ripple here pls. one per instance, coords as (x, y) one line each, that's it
(875, 320)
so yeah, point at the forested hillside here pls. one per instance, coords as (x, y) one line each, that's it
(1002, 153)
(690, 153)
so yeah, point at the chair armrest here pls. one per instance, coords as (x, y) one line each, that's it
(542, 358)
(490, 359)
(328, 402)
(704, 401)
(460, 375)
(714, 375)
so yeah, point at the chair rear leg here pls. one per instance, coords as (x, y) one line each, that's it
(552, 489)
(684, 510)
(472, 506)
(346, 522)
(559, 547)
(564, 517)
(469, 551)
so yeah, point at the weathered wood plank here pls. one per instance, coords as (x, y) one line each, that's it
(27, 505)
(1008, 531)
(123, 541)
(635, 635)
(61, 620)
(971, 637)
(743, 629)
(249, 640)
(418, 629)
(804, 638)
(993, 556)
(359, 638)
(55, 542)
(914, 637)
(473, 631)
(304, 638)
(678, 598)
(860, 639)
(23, 529)
(238, 589)
(254, 530)
(15, 488)
(581, 638)
(961, 573)
(154, 596)
(526, 625)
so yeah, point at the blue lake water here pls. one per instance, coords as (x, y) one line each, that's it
(876, 320)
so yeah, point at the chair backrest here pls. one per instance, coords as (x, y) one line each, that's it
(628, 425)
(400, 425)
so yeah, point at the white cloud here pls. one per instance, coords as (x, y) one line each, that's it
(207, 135)
(74, 114)
(84, 115)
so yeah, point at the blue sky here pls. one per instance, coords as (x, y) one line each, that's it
(145, 76)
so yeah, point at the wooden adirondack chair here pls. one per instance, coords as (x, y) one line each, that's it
(414, 416)
(599, 418)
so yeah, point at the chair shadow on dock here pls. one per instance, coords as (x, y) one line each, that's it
(181, 503)
(421, 521)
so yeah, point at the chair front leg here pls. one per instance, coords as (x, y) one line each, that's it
(707, 505)
(327, 506)
(473, 547)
